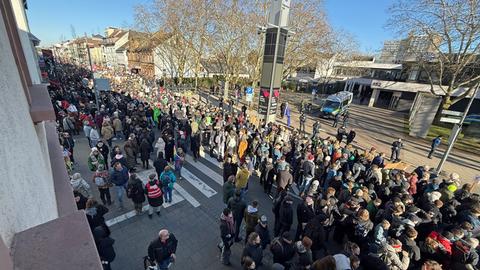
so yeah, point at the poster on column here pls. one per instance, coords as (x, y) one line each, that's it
(249, 94)
(263, 101)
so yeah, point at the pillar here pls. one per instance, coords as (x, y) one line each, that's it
(373, 97)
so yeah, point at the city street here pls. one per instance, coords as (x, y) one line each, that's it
(193, 216)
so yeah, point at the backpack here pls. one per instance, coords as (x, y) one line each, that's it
(460, 251)
(276, 241)
(100, 181)
(167, 181)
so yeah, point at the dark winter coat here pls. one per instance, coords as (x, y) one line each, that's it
(104, 244)
(95, 216)
(264, 234)
(229, 169)
(286, 216)
(145, 149)
(160, 165)
(119, 178)
(314, 230)
(305, 213)
(282, 251)
(161, 251)
(135, 191)
(226, 234)
(255, 252)
(228, 191)
(237, 205)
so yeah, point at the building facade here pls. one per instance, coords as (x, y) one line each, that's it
(38, 213)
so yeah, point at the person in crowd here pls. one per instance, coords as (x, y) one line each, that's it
(95, 215)
(229, 168)
(104, 244)
(263, 231)
(303, 258)
(283, 249)
(95, 159)
(101, 178)
(305, 213)
(145, 150)
(80, 185)
(159, 164)
(136, 193)
(162, 250)
(241, 179)
(253, 249)
(94, 136)
(179, 159)
(228, 189)
(119, 177)
(68, 143)
(251, 217)
(435, 144)
(131, 151)
(105, 151)
(286, 216)
(153, 190)
(238, 206)
(396, 147)
(117, 126)
(168, 180)
(107, 132)
(227, 234)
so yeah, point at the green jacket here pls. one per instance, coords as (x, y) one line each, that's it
(156, 113)
(92, 164)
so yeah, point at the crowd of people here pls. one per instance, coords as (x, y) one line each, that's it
(354, 211)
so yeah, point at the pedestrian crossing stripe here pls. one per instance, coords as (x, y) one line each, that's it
(182, 192)
(176, 198)
(210, 159)
(197, 183)
(205, 170)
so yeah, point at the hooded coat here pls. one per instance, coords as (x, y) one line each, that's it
(135, 190)
(104, 244)
(80, 185)
(392, 260)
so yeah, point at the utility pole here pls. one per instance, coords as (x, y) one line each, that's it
(91, 68)
(456, 131)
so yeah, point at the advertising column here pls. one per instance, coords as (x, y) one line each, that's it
(273, 58)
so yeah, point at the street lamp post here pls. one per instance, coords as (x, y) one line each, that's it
(456, 131)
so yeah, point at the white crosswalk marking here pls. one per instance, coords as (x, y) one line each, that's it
(186, 195)
(205, 170)
(210, 159)
(197, 183)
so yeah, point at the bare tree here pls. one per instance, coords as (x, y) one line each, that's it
(342, 48)
(310, 38)
(451, 30)
(73, 31)
(230, 36)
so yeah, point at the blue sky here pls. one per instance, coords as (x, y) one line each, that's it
(50, 19)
